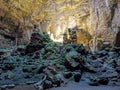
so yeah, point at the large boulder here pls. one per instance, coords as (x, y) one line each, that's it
(74, 58)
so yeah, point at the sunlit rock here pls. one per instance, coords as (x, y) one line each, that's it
(103, 20)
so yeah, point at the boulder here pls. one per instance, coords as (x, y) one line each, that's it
(77, 77)
(68, 75)
(8, 66)
(94, 83)
(11, 86)
(3, 87)
(10, 75)
(103, 81)
(2, 53)
(21, 50)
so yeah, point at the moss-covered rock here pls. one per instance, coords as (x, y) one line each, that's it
(38, 41)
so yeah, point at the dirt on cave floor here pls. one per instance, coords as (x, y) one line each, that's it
(70, 86)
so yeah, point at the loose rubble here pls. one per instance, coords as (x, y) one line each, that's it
(47, 64)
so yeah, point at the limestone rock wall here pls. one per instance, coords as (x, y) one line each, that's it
(103, 22)
(104, 19)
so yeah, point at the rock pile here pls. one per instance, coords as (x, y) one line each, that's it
(38, 41)
(48, 65)
(106, 64)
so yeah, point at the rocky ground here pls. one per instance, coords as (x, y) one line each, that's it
(45, 64)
